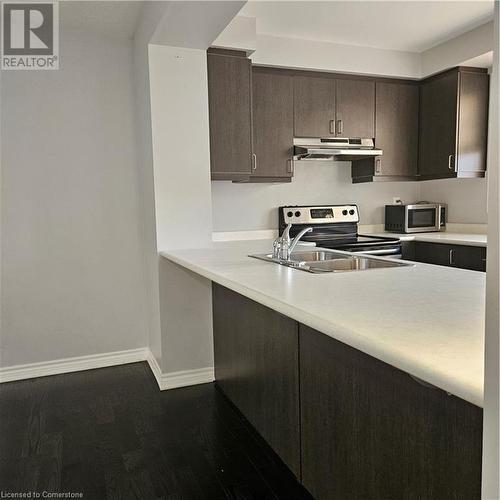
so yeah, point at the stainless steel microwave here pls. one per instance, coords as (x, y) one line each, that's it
(418, 218)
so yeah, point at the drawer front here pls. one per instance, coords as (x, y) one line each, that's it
(461, 256)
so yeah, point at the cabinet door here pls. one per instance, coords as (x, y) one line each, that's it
(473, 123)
(355, 108)
(396, 128)
(256, 366)
(371, 431)
(272, 99)
(438, 126)
(469, 257)
(433, 253)
(462, 256)
(229, 87)
(314, 106)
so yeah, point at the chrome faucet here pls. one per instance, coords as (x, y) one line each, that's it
(283, 246)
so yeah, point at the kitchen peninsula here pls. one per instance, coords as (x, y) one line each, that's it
(357, 405)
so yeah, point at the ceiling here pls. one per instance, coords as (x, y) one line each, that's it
(112, 18)
(412, 26)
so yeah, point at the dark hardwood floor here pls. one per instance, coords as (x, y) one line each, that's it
(111, 434)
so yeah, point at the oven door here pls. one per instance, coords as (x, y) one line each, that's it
(422, 218)
(393, 253)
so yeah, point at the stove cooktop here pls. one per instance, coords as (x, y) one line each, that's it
(332, 240)
(334, 227)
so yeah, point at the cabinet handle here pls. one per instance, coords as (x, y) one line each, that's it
(340, 127)
(451, 163)
(254, 158)
(289, 166)
(378, 165)
(452, 255)
(332, 127)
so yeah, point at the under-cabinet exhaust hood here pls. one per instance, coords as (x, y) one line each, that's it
(333, 148)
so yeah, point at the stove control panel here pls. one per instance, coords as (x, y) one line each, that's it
(327, 214)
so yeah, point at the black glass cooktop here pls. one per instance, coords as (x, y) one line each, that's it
(332, 240)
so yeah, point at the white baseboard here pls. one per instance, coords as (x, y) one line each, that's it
(182, 378)
(165, 381)
(76, 364)
(187, 377)
(155, 368)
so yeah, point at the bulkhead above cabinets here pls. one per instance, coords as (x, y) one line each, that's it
(426, 129)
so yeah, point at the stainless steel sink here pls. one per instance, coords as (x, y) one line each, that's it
(351, 264)
(330, 262)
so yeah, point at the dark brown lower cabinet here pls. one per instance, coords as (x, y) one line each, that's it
(462, 256)
(256, 366)
(349, 426)
(372, 432)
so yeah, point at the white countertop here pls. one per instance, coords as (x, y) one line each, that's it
(478, 240)
(426, 320)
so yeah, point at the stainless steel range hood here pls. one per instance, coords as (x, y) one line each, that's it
(333, 148)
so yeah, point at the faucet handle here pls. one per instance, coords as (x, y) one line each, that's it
(286, 232)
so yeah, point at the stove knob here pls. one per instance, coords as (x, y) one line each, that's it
(351, 212)
(344, 212)
(297, 214)
(289, 214)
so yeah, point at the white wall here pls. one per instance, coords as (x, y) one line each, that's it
(151, 13)
(181, 151)
(491, 436)
(240, 34)
(181, 165)
(72, 275)
(194, 24)
(240, 207)
(466, 198)
(181, 156)
(457, 50)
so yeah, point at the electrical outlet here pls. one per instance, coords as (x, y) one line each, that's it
(397, 201)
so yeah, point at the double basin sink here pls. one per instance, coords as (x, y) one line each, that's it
(330, 261)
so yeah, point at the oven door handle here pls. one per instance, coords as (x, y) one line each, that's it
(392, 251)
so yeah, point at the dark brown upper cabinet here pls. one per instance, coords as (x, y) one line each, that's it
(229, 99)
(355, 108)
(453, 124)
(272, 109)
(314, 106)
(432, 129)
(396, 134)
(328, 107)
